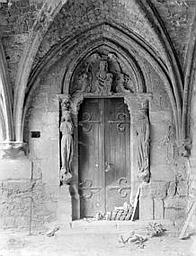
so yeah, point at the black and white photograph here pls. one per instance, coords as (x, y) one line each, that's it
(97, 127)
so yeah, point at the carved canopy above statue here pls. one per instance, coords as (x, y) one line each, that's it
(103, 74)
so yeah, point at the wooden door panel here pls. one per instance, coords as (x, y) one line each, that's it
(104, 155)
(117, 153)
(91, 180)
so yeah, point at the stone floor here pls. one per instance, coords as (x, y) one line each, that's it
(103, 242)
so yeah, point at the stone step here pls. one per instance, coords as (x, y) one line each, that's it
(117, 226)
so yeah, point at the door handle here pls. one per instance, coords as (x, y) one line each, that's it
(108, 166)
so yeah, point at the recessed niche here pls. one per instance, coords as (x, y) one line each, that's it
(35, 134)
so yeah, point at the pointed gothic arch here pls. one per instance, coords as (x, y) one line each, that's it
(167, 63)
(117, 38)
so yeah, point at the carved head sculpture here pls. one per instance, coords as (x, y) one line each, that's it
(65, 104)
(66, 116)
(103, 68)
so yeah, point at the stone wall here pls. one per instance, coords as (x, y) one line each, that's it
(30, 192)
(165, 197)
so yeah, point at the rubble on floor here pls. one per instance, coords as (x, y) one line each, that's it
(152, 230)
(119, 213)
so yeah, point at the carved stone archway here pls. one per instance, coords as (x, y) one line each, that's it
(104, 74)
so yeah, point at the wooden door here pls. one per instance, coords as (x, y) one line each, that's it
(104, 155)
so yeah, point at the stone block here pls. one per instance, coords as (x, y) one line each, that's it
(171, 189)
(52, 118)
(158, 154)
(170, 213)
(146, 208)
(175, 202)
(175, 214)
(162, 173)
(37, 173)
(158, 209)
(156, 117)
(182, 188)
(64, 206)
(158, 189)
(15, 169)
(50, 165)
(145, 190)
(40, 101)
(53, 104)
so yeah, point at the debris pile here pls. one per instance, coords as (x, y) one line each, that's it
(132, 238)
(155, 229)
(52, 233)
(119, 213)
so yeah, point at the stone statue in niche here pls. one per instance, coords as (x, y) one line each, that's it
(143, 149)
(66, 129)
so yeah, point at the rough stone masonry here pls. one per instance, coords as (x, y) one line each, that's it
(54, 50)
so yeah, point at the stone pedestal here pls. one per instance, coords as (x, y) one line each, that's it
(146, 208)
(64, 206)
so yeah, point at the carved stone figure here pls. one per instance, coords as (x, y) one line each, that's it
(66, 128)
(122, 83)
(143, 141)
(101, 74)
(85, 80)
(104, 79)
(169, 142)
(65, 104)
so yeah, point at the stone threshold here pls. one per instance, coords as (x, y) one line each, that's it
(117, 226)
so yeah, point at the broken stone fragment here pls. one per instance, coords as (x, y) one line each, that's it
(52, 233)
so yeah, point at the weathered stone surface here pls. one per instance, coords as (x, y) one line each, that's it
(15, 169)
(64, 206)
(162, 173)
(158, 209)
(172, 188)
(177, 16)
(145, 190)
(175, 202)
(146, 209)
(175, 214)
(182, 188)
(158, 190)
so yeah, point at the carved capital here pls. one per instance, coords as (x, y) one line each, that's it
(76, 101)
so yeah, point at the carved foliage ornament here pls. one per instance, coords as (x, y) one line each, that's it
(101, 74)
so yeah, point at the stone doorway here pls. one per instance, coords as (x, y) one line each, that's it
(104, 155)
(110, 156)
